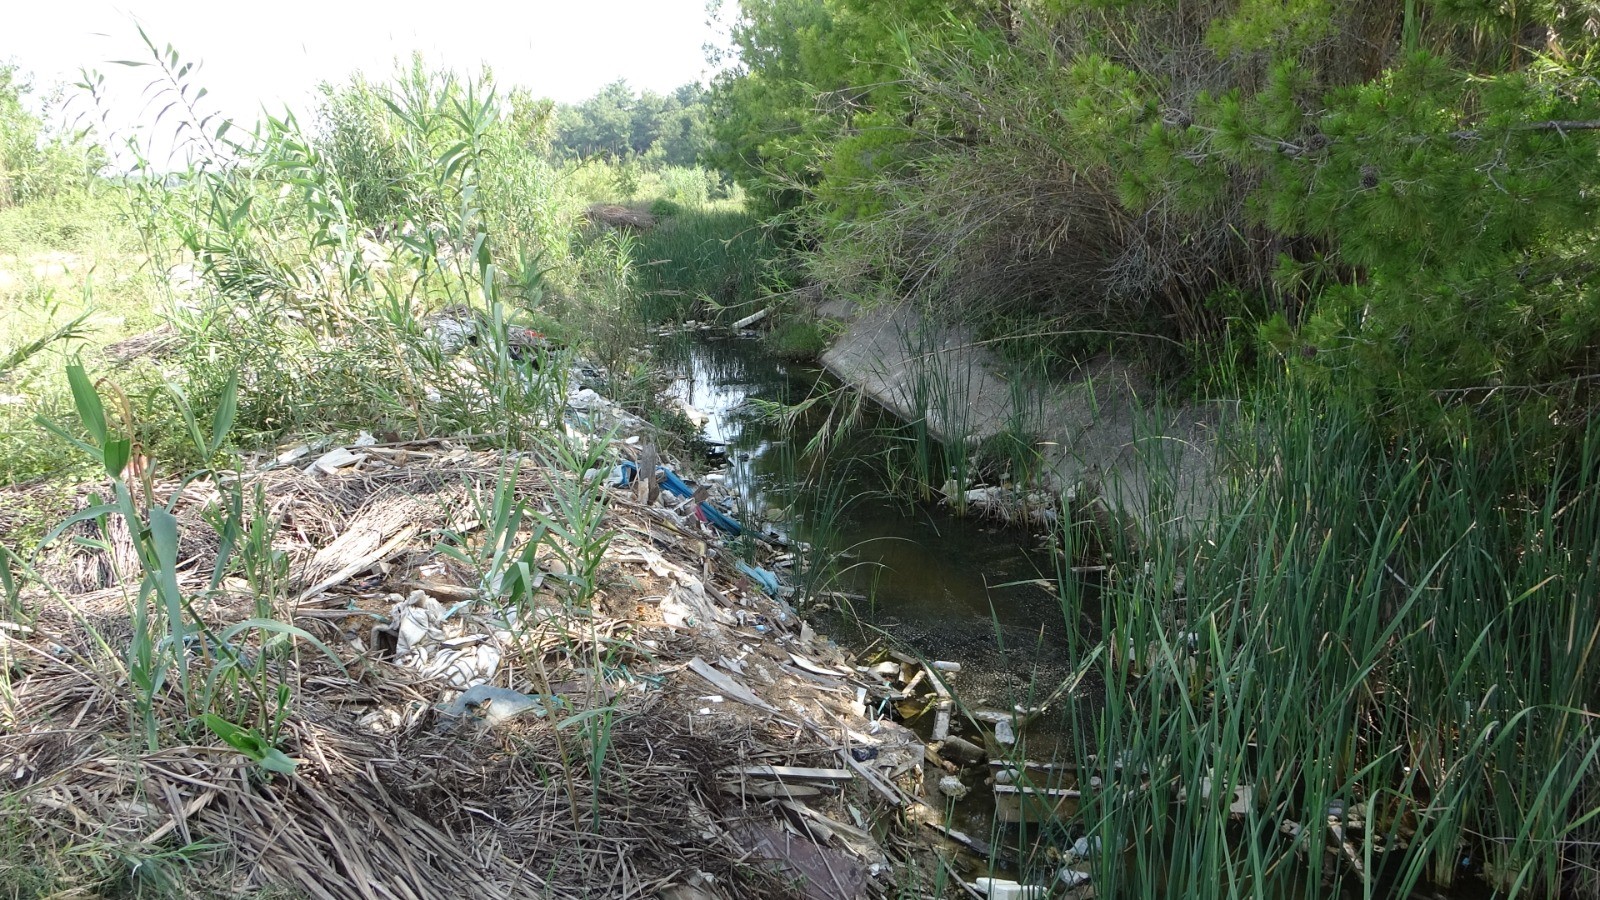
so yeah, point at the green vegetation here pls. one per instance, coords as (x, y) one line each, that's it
(395, 199)
(798, 338)
(1403, 191)
(70, 273)
(297, 273)
(37, 162)
(1410, 634)
(1374, 223)
(618, 124)
(705, 262)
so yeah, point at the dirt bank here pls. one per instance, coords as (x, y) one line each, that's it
(660, 725)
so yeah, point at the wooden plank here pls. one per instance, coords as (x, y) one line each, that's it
(971, 843)
(1013, 804)
(727, 685)
(850, 832)
(367, 561)
(777, 790)
(817, 668)
(1029, 765)
(885, 788)
(792, 773)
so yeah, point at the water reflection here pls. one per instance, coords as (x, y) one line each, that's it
(951, 588)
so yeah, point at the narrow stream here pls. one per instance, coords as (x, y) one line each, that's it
(950, 588)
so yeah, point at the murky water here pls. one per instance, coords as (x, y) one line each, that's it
(957, 588)
(951, 588)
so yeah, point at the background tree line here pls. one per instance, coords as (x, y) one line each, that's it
(37, 162)
(618, 123)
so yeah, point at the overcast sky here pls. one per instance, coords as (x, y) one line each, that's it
(275, 52)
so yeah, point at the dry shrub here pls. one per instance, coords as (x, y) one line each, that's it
(611, 215)
(1018, 206)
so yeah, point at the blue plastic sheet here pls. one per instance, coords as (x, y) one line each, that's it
(767, 580)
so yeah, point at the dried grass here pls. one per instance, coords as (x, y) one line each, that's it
(157, 343)
(611, 215)
(406, 813)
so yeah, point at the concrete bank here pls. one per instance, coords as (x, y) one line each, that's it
(1102, 433)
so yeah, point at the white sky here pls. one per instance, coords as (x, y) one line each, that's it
(275, 52)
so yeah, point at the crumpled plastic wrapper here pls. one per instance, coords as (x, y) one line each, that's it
(445, 642)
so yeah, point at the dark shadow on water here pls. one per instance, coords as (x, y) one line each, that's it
(951, 588)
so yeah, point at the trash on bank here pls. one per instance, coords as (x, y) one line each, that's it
(493, 705)
(1005, 889)
(714, 517)
(767, 580)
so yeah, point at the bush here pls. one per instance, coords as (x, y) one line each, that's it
(1409, 192)
(1409, 633)
(36, 162)
(705, 260)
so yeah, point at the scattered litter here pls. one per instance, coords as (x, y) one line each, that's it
(1015, 803)
(941, 721)
(1073, 877)
(364, 519)
(951, 787)
(698, 418)
(886, 669)
(751, 319)
(802, 774)
(336, 459)
(777, 790)
(1084, 847)
(618, 476)
(427, 639)
(1003, 733)
(816, 669)
(984, 495)
(494, 705)
(819, 872)
(728, 685)
(767, 580)
(1003, 889)
(673, 484)
(584, 399)
(676, 613)
(962, 751)
(451, 330)
(624, 474)
(718, 520)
